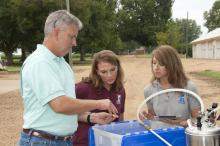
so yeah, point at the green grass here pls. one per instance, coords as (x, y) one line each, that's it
(210, 74)
(77, 55)
(78, 62)
(13, 68)
(17, 66)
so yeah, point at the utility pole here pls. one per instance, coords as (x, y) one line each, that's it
(187, 34)
(68, 57)
(68, 5)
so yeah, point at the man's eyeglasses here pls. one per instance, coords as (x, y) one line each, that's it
(72, 37)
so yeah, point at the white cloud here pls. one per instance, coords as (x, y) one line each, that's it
(195, 9)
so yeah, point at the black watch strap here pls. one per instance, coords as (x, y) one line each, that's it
(88, 120)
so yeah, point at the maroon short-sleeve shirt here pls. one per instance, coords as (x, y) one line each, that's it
(87, 91)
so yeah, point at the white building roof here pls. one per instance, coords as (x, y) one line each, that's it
(209, 36)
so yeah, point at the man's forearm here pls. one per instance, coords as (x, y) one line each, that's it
(69, 106)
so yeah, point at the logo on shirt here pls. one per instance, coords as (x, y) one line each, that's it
(118, 101)
(181, 99)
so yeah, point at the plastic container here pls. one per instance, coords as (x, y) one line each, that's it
(131, 133)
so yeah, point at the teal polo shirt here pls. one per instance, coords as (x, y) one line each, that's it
(45, 77)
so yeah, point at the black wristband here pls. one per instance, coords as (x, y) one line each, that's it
(88, 120)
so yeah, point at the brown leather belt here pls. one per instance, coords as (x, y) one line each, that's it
(46, 136)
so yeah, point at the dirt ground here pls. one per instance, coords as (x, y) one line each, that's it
(137, 76)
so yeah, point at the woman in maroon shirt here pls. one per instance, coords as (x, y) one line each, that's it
(104, 82)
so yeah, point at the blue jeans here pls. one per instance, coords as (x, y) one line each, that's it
(27, 140)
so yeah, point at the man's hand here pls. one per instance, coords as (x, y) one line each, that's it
(106, 104)
(102, 118)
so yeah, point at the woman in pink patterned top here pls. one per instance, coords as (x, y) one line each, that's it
(104, 82)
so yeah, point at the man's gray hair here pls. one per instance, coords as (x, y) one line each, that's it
(61, 18)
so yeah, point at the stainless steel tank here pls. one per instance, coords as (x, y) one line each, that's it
(207, 136)
(205, 132)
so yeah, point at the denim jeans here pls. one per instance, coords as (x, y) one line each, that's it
(27, 140)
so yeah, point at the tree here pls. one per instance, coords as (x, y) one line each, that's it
(172, 36)
(179, 34)
(30, 18)
(212, 19)
(139, 20)
(9, 33)
(22, 24)
(190, 31)
(99, 19)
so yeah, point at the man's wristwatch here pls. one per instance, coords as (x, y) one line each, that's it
(88, 120)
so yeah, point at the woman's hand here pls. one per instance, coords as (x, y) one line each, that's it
(144, 115)
(102, 118)
(178, 122)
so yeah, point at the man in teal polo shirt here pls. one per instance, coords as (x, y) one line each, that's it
(47, 87)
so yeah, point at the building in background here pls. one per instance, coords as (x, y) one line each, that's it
(207, 46)
(17, 52)
(2, 62)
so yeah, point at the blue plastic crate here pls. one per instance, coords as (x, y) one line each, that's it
(131, 133)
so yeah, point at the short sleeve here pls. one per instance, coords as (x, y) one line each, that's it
(193, 102)
(82, 90)
(45, 82)
(147, 92)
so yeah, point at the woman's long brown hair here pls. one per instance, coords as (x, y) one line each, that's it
(168, 56)
(108, 57)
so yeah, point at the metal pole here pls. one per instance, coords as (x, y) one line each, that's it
(187, 34)
(70, 52)
(68, 5)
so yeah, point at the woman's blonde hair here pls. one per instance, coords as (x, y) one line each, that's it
(106, 56)
(168, 57)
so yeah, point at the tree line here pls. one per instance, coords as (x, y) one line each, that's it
(117, 25)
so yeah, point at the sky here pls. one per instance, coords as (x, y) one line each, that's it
(195, 9)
